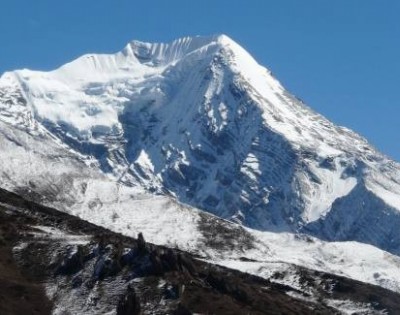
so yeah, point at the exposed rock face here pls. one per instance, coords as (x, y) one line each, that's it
(129, 304)
(89, 270)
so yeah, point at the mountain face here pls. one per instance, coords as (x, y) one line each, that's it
(200, 121)
(199, 148)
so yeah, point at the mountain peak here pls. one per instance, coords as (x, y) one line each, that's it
(209, 106)
(164, 53)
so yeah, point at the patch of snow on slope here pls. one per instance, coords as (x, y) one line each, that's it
(251, 167)
(161, 220)
(331, 187)
(144, 161)
(347, 307)
(57, 234)
(388, 191)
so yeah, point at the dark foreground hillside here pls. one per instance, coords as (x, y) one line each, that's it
(51, 261)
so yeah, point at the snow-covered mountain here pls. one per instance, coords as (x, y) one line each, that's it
(196, 121)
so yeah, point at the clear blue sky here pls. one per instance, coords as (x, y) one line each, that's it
(342, 57)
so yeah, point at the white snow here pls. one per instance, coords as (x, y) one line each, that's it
(274, 250)
(144, 161)
(251, 167)
(57, 234)
(386, 189)
(332, 187)
(160, 219)
(182, 83)
(347, 307)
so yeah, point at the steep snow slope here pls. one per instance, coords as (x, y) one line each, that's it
(199, 120)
